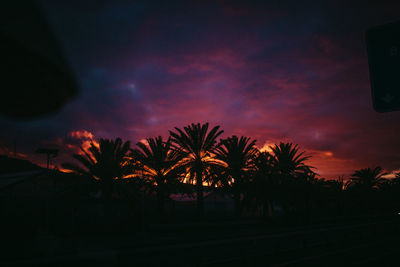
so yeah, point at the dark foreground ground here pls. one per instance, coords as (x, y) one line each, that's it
(356, 242)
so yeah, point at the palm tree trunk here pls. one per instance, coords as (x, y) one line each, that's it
(107, 188)
(308, 208)
(238, 208)
(107, 192)
(265, 208)
(270, 204)
(199, 193)
(160, 204)
(268, 208)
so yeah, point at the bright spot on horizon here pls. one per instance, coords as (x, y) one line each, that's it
(267, 147)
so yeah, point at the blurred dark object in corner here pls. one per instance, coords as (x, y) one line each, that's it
(35, 77)
(383, 47)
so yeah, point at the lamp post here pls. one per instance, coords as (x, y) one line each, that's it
(50, 153)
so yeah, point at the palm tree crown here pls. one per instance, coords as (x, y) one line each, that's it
(156, 159)
(287, 159)
(238, 154)
(105, 162)
(367, 178)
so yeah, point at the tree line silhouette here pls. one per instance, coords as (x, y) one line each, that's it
(192, 159)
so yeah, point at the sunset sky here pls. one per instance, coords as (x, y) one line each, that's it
(294, 71)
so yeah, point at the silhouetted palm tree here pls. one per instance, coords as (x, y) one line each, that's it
(157, 164)
(196, 145)
(238, 154)
(367, 178)
(335, 192)
(363, 185)
(105, 162)
(288, 161)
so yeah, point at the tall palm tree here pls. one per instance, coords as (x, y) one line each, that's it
(289, 163)
(196, 145)
(238, 154)
(105, 162)
(157, 164)
(364, 183)
(367, 178)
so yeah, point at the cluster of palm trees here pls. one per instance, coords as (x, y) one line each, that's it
(234, 166)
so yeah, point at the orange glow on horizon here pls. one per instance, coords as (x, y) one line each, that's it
(267, 147)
